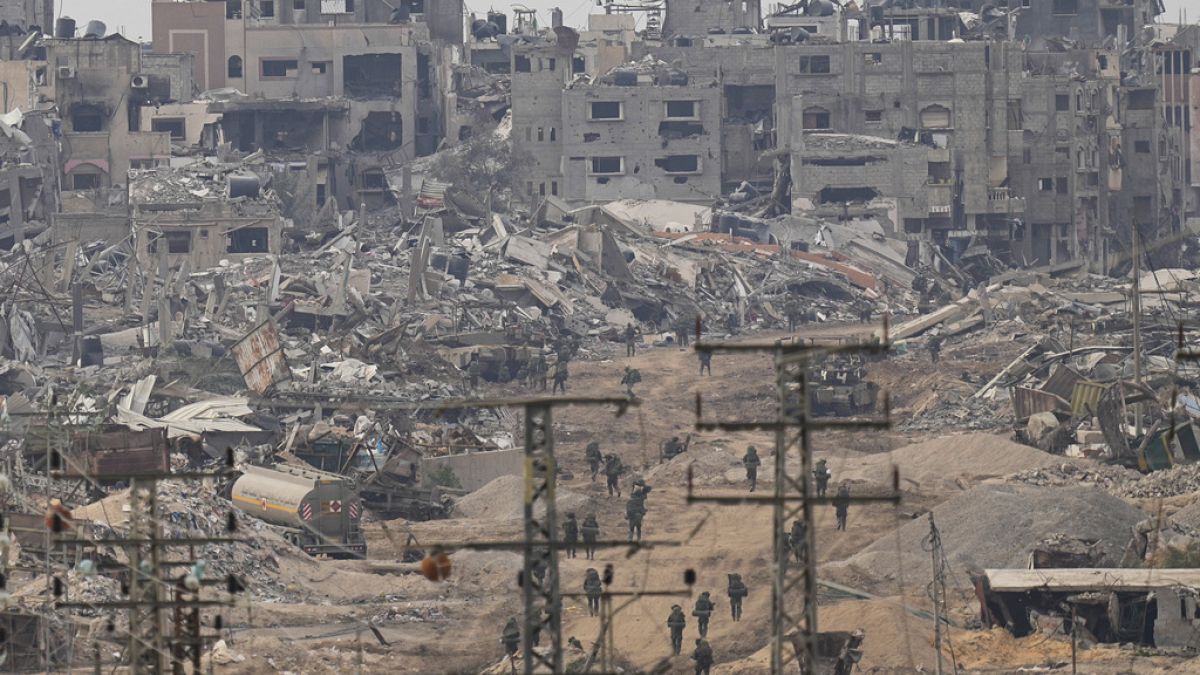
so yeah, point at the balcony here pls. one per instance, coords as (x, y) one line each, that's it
(1001, 200)
(939, 197)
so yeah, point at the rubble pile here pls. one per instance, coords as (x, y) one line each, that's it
(1179, 480)
(197, 511)
(1112, 479)
(998, 526)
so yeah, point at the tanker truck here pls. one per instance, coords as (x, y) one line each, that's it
(320, 512)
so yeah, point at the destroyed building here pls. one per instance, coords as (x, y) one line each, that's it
(301, 280)
(313, 87)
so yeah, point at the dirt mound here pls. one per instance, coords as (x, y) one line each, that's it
(948, 462)
(1188, 516)
(997, 526)
(503, 499)
(894, 638)
(709, 467)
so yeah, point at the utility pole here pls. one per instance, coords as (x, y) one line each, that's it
(937, 589)
(541, 600)
(151, 650)
(1137, 326)
(792, 498)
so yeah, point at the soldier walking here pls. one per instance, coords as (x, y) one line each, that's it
(591, 532)
(473, 372)
(541, 370)
(593, 589)
(511, 637)
(570, 534)
(681, 332)
(676, 622)
(612, 471)
(594, 458)
(702, 611)
(796, 539)
(935, 348)
(821, 476)
(635, 510)
(705, 362)
(560, 377)
(631, 377)
(751, 462)
(703, 657)
(737, 591)
(630, 340)
(841, 506)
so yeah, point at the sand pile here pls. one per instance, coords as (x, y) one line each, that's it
(503, 499)
(997, 526)
(894, 638)
(946, 463)
(709, 467)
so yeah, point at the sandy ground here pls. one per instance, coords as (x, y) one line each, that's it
(455, 626)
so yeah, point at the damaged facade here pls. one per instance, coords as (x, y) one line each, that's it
(344, 88)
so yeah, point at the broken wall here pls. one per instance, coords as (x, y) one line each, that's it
(476, 469)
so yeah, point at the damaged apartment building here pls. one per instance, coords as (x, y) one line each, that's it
(954, 126)
(338, 89)
(99, 85)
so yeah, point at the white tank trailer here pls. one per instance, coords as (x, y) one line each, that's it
(321, 512)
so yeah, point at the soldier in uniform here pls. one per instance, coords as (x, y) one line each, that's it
(635, 510)
(473, 372)
(737, 592)
(540, 370)
(612, 471)
(935, 348)
(841, 506)
(703, 657)
(593, 589)
(591, 532)
(560, 377)
(751, 462)
(705, 362)
(676, 622)
(594, 458)
(702, 611)
(539, 568)
(630, 340)
(821, 476)
(631, 377)
(511, 637)
(570, 534)
(672, 448)
(796, 539)
(681, 331)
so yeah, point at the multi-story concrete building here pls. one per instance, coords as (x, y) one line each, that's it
(100, 87)
(320, 79)
(1020, 143)
(649, 139)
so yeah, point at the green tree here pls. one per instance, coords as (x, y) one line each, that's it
(486, 166)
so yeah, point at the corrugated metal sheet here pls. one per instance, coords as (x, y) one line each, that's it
(1028, 402)
(1062, 381)
(1085, 395)
(259, 356)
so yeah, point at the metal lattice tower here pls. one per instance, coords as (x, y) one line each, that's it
(792, 625)
(543, 605)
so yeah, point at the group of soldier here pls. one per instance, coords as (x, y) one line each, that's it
(535, 372)
(821, 475)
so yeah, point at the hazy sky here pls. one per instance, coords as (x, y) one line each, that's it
(132, 17)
